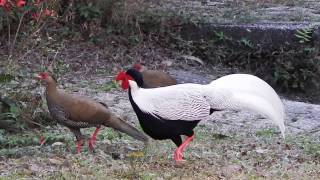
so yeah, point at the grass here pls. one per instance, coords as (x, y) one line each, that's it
(107, 86)
(208, 156)
(267, 133)
(309, 144)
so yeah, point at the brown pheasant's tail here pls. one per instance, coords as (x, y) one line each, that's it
(122, 126)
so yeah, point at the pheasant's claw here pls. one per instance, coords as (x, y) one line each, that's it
(79, 145)
(93, 139)
(178, 155)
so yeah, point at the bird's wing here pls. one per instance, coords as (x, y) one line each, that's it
(62, 117)
(182, 103)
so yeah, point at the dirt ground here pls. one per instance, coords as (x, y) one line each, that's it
(232, 145)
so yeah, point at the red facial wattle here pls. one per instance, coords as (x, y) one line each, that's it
(122, 76)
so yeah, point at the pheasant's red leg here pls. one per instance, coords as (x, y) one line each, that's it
(42, 140)
(178, 154)
(93, 138)
(79, 145)
(186, 142)
(79, 137)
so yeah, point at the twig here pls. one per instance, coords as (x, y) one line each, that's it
(31, 50)
(35, 123)
(16, 35)
(31, 35)
(9, 31)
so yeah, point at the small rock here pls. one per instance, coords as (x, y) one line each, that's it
(130, 148)
(167, 63)
(193, 58)
(57, 161)
(57, 144)
(261, 151)
(34, 168)
(230, 169)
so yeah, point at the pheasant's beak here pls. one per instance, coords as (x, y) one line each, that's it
(119, 82)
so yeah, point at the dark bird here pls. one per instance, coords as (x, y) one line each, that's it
(172, 111)
(154, 78)
(78, 112)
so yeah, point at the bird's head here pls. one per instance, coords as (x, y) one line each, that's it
(131, 74)
(123, 78)
(137, 66)
(45, 77)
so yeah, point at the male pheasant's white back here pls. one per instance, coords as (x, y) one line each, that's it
(243, 91)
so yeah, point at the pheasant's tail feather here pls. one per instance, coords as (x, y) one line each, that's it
(252, 93)
(124, 127)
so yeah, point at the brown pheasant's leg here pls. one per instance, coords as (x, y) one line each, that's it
(93, 138)
(79, 138)
(42, 140)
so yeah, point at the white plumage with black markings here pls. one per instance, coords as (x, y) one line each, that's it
(193, 101)
(172, 111)
(172, 104)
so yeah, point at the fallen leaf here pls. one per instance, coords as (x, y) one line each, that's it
(167, 63)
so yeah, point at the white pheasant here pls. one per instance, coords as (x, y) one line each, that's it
(172, 111)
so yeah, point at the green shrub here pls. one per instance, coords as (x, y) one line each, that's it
(22, 20)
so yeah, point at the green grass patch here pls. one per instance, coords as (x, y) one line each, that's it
(108, 86)
(309, 144)
(268, 133)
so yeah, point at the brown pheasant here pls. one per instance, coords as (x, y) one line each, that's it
(77, 112)
(154, 78)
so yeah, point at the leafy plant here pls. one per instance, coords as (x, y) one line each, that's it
(16, 140)
(309, 144)
(246, 42)
(108, 86)
(295, 74)
(221, 36)
(5, 78)
(304, 35)
(20, 23)
(89, 12)
(12, 115)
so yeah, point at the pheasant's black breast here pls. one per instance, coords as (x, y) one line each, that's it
(159, 128)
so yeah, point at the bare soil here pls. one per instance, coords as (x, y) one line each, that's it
(231, 145)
